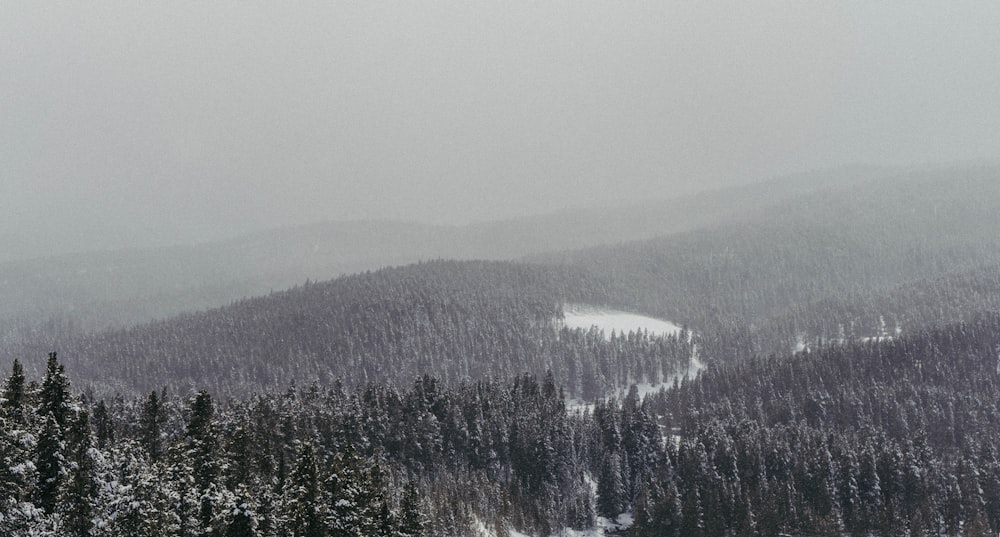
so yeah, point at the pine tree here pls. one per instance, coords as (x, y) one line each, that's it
(241, 515)
(13, 399)
(104, 427)
(13, 466)
(667, 513)
(303, 502)
(142, 503)
(346, 492)
(411, 518)
(151, 421)
(50, 463)
(201, 454)
(54, 398)
(80, 487)
(692, 514)
(184, 496)
(611, 500)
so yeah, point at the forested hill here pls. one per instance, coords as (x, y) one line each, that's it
(120, 288)
(881, 438)
(455, 320)
(827, 266)
(775, 277)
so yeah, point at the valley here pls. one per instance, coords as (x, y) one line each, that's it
(531, 393)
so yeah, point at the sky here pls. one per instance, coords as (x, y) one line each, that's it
(146, 123)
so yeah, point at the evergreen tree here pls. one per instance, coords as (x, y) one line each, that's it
(201, 454)
(143, 501)
(667, 514)
(692, 514)
(13, 399)
(104, 427)
(54, 398)
(80, 488)
(611, 500)
(151, 426)
(185, 496)
(411, 516)
(14, 466)
(303, 500)
(241, 520)
(346, 492)
(50, 464)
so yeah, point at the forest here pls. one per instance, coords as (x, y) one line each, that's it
(850, 339)
(892, 437)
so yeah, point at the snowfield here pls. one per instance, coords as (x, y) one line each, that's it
(604, 527)
(622, 322)
(609, 320)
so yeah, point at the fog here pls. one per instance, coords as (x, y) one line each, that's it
(129, 124)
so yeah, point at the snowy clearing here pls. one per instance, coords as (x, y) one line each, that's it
(604, 527)
(646, 388)
(576, 405)
(622, 322)
(609, 320)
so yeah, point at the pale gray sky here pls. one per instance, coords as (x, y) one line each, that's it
(126, 123)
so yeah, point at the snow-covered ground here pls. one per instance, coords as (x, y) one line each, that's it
(646, 388)
(604, 526)
(617, 321)
(883, 334)
(609, 320)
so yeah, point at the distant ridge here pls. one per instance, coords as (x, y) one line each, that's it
(123, 287)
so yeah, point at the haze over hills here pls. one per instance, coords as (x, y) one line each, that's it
(119, 288)
(843, 341)
(500, 269)
(752, 280)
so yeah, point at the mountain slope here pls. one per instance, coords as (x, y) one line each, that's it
(864, 242)
(455, 320)
(121, 288)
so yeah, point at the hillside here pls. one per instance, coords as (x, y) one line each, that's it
(454, 320)
(878, 438)
(830, 265)
(358, 394)
(100, 290)
(791, 263)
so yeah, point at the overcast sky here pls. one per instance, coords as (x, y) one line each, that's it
(150, 122)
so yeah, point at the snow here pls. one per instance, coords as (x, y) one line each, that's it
(646, 388)
(883, 335)
(604, 527)
(608, 320)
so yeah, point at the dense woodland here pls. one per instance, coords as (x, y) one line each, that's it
(453, 320)
(852, 339)
(895, 437)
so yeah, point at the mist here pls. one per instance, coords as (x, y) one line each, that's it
(125, 125)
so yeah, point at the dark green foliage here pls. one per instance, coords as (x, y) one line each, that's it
(50, 462)
(304, 506)
(13, 483)
(202, 443)
(889, 454)
(104, 427)
(411, 516)
(870, 438)
(54, 397)
(12, 402)
(79, 491)
(240, 517)
(151, 426)
(610, 490)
